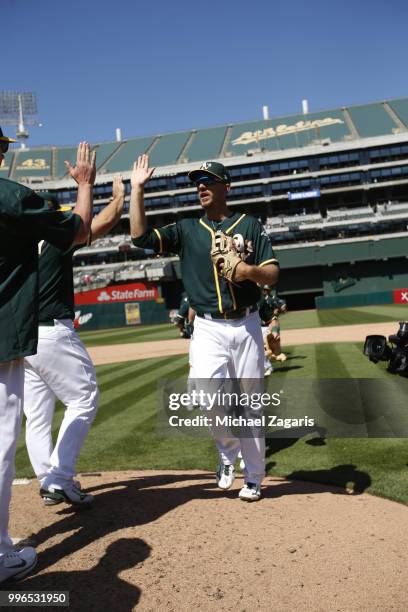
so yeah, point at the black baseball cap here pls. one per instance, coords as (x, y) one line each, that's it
(210, 169)
(50, 199)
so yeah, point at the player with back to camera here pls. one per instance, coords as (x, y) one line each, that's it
(25, 219)
(227, 340)
(62, 368)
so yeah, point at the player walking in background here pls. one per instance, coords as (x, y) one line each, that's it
(270, 307)
(227, 340)
(185, 319)
(26, 218)
(62, 368)
(266, 306)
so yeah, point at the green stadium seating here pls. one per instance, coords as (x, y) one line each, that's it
(288, 132)
(400, 107)
(65, 153)
(281, 133)
(167, 149)
(206, 144)
(104, 151)
(123, 159)
(32, 163)
(371, 120)
(6, 165)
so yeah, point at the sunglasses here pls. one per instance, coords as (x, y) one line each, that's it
(207, 180)
(4, 146)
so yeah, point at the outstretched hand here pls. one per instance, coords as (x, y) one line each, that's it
(84, 172)
(141, 172)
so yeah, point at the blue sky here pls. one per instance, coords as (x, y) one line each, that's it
(96, 65)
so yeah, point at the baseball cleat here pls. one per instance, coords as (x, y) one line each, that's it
(17, 564)
(268, 371)
(225, 476)
(241, 461)
(72, 494)
(250, 492)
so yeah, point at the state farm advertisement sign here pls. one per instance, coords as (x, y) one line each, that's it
(133, 292)
(400, 296)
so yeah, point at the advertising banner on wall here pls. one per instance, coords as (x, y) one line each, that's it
(132, 313)
(131, 292)
(400, 296)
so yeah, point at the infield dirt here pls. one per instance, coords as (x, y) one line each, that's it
(117, 353)
(172, 541)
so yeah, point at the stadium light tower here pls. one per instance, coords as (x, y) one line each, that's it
(20, 109)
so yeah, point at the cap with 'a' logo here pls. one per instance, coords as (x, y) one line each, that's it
(211, 169)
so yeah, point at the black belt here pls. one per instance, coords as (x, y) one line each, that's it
(46, 323)
(231, 314)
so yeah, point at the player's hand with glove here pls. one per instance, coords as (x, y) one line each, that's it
(225, 256)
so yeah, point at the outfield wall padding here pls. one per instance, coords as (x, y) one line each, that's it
(105, 316)
(362, 299)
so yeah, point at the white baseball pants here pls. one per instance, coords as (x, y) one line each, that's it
(11, 412)
(61, 368)
(231, 349)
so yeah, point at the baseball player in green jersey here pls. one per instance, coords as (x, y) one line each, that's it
(26, 218)
(270, 307)
(185, 319)
(62, 368)
(227, 340)
(266, 307)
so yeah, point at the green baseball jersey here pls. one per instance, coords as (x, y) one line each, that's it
(192, 239)
(184, 306)
(266, 305)
(56, 283)
(25, 219)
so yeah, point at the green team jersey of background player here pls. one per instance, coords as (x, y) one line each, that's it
(227, 340)
(25, 219)
(63, 369)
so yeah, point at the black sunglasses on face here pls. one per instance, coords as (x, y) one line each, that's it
(207, 181)
(4, 145)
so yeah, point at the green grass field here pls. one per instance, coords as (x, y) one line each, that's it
(292, 320)
(124, 436)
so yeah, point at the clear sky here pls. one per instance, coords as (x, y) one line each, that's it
(171, 65)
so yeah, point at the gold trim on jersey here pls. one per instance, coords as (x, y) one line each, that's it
(267, 261)
(217, 284)
(230, 287)
(160, 239)
(234, 224)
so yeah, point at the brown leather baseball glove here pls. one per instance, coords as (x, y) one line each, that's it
(272, 347)
(224, 255)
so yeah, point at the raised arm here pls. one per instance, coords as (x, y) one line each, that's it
(111, 214)
(83, 173)
(140, 176)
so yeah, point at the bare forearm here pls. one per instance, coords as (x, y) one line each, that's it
(83, 208)
(138, 223)
(262, 275)
(107, 218)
